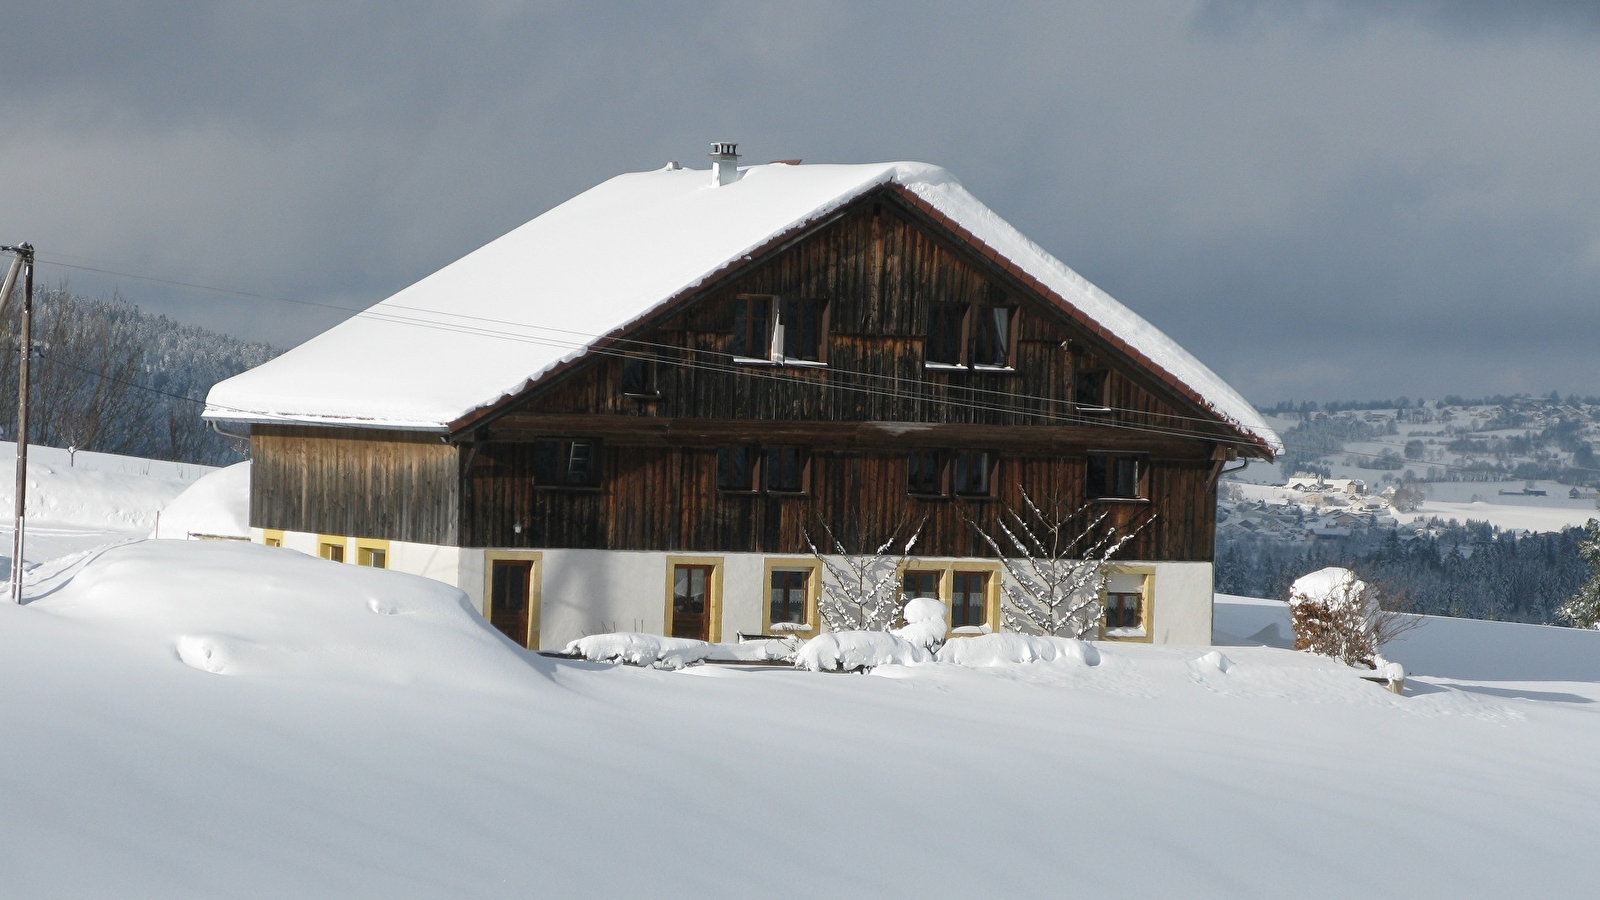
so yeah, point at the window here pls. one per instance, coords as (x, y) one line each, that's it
(331, 549)
(925, 473)
(920, 583)
(786, 470)
(1124, 611)
(788, 599)
(973, 469)
(947, 329)
(969, 599)
(1114, 477)
(376, 557)
(803, 326)
(736, 469)
(991, 343)
(752, 327)
(639, 377)
(272, 538)
(565, 464)
(780, 330)
(1089, 389)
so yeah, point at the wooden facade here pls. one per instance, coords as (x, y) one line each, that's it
(875, 269)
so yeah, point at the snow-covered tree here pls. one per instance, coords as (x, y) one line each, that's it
(861, 591)
(1055, 566)
(1583, 610)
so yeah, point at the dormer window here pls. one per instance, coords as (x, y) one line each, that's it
(779, 329)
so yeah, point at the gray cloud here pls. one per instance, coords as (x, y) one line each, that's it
(1318, 199)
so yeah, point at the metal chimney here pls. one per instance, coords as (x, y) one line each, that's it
(724, 163)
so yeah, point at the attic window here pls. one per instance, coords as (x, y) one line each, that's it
(639, 378)
(1089, 390)
(979, 336)
(752, 327)
(992, 339)
(783, 330)
(947, 328)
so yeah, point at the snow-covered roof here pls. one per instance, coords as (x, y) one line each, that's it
(485, 326)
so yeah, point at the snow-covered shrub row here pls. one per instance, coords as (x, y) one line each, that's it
(850, 651)
(1015, 649)
(925, 623)
(638, 649)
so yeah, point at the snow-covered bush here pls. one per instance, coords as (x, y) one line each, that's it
(925, 623)
(987, 650)
(637, 649)
(1583, 610)
(1335, 613)
(851, 651)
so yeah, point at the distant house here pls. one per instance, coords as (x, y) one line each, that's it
(630, 412)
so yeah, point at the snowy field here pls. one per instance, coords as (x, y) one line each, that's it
(199, 719)
(190, 719)
(77, 502)
(1477, 501)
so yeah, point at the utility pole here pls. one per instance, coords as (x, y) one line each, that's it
(24, 262)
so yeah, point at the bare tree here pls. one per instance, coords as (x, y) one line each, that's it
(1055, 566)
(861, 591)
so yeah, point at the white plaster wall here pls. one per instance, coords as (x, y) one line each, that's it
(429, 561)
(593, 591)
(1183, 599)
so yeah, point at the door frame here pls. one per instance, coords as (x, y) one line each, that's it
(713, 600)
(535, 583)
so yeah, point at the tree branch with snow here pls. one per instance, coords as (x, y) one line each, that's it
(1054, 563)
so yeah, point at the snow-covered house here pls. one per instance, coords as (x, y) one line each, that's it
(629, 413)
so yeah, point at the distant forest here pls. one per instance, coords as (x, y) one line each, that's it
(108, 376)
(1470, 571)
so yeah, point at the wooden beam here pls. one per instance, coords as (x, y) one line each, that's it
(649, 431)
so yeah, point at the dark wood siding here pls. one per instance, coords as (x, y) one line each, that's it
(392, 485)
(666, 499)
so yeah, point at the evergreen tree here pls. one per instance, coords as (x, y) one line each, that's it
(1583, 610)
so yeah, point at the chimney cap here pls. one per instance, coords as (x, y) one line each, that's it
(725, 149)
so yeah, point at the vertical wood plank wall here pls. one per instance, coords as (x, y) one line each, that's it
(393, 485)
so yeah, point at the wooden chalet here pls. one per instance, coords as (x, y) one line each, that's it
(629, 414)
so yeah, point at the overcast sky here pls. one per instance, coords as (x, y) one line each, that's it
(1320, 200)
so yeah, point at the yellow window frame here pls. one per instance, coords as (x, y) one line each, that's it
(713, 603)
(366, 547)
(813, 569)
(1147, 603)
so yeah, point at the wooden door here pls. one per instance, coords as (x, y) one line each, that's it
(691, 602)
(510, 590)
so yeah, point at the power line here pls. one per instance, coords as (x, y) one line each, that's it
(386, 314)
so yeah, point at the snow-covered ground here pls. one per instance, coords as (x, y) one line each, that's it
(77, 502)
(189, 719)
(1464, 501)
